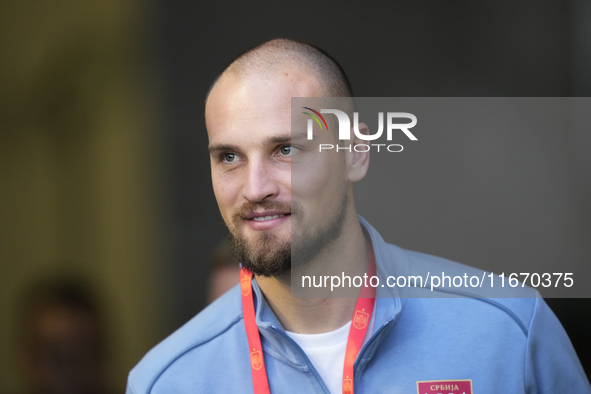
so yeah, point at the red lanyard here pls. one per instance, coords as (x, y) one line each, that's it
(359, 323)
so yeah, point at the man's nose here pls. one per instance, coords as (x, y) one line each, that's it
(260, 182)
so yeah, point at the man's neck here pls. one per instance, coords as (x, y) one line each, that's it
(348, 254)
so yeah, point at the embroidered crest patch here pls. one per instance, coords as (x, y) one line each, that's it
(347, 386)
(245, 285)
(256, 360)
(360, 320)
(444, 387)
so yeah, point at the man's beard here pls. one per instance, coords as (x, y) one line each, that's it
(270, 256)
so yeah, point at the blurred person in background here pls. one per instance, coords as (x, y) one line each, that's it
(225, 271)
(62, 349)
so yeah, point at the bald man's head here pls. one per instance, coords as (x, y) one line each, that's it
(249, 118)
(272, 56)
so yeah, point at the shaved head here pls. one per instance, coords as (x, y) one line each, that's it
(248, 115)
(272, 56)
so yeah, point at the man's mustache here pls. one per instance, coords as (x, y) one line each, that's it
(250, 207)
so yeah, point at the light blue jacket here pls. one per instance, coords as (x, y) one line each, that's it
(503, 345)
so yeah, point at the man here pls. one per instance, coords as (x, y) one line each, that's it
(62, 347)
(287, 206)
(225, 271)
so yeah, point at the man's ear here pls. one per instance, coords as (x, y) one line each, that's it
(358, 159)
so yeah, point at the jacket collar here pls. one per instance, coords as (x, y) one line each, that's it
(390, 260)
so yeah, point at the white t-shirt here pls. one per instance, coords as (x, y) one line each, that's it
(327, 351)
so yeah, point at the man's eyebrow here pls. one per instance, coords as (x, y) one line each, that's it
(298, 136)
(279, 139)
(221, 147)
(284, 138)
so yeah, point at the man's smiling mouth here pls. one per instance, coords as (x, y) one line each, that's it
(265, 218)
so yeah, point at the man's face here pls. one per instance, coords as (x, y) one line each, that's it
(272, 185)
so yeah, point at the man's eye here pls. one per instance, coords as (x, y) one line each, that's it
(285, 150)
(228, 157)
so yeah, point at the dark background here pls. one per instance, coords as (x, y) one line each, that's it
(402, 48)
